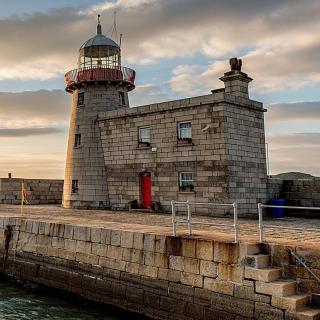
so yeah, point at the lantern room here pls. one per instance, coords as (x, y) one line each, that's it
(100, 61)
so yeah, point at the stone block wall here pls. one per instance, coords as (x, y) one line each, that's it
(38, 191)
(227, 160)
(160, 276)
(299, 192)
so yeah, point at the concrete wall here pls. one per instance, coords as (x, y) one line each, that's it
(38, 191)
(160, 276)
(227, 161)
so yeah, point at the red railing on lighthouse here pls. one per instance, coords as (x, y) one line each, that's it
(87, 74)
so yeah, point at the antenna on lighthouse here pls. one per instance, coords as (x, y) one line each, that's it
(114, 31)
(99, 28)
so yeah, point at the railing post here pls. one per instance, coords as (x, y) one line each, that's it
(174, 223)
(260, 223)
(189, 218)
(235, 222)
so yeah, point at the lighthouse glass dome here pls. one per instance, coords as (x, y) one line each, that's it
(100, 61)
(99, 51)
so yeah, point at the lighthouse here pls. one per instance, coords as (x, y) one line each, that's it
(99, 84)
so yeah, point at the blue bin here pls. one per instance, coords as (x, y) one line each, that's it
(278, 212)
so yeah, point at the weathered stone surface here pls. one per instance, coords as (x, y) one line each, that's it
(219, 286)
(208, 268)
(264, 311)
(191, 279)
(204, 250)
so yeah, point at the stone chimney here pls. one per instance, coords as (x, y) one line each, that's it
(236, 82)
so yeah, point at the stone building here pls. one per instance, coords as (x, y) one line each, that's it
(208, 149)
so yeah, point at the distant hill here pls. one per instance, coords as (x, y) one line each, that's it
(293, 175)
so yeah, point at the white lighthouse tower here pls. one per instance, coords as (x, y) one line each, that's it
(99, 84)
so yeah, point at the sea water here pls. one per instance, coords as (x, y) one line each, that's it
(18, 302)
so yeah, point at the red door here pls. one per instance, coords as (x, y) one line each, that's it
(146, 191)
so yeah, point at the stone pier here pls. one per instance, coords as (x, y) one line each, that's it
(140, 267)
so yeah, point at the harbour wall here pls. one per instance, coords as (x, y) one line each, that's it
(160, 276)
(37, 191)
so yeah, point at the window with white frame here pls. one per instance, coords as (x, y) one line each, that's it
(184, 131)
(186, 181)
(144, 135)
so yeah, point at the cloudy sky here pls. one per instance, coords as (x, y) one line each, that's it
(179, 48)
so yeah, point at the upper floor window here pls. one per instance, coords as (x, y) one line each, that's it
(75, 186)
(122, 98)
(77, 140)
(80, 98)
(184, 131)
(186, 181)
(144, 136)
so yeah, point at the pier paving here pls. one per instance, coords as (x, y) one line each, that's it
(161, 223)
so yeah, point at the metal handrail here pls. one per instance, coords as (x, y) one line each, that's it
(262, 226)
(305, 266)
(189, 221)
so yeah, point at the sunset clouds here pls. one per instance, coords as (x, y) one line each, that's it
(179, 48)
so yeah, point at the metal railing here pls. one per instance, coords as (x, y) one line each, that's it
(262, 226)
(301, 261)
(189, 221)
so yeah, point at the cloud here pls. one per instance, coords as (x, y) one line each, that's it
(297, 111)
(294, 152)
(41, 108)
(147, 94)
(279, 40)
(25, 132)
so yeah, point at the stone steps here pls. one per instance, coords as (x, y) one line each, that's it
(264, 274)
(308, 314)
(279, 288)
(283, 292)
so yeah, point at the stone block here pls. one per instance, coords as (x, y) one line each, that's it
(126, 239)
(114, 252)
(176, 263)
(189, 248)
(115, 238)
(99, 249)
(133, 255)
(219, 286)
(70, 245)
(87, 258)
(204, 250)
(84, 247)
(148, 271)
(68, 231)
(181, 292)
(81, 233)
(225, 252)
(149, 242)
(208, 268)
(191, 265)
(64, 254)
(160, 244)
(156, 259)
(229, 272)
(138, 241)
(170, 275)
(132, 267)
(117, 265)
(248, 293)
(191, 279)
(96, 235)
(105, 236)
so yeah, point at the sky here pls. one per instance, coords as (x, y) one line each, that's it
(179, 48)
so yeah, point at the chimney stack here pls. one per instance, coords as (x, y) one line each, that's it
(236, 82)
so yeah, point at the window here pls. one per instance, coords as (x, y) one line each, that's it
(186, 181)
(144, 135)
(75, 186)
(122, 98)
(80, 98)
(77, 140)
(184, 131)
